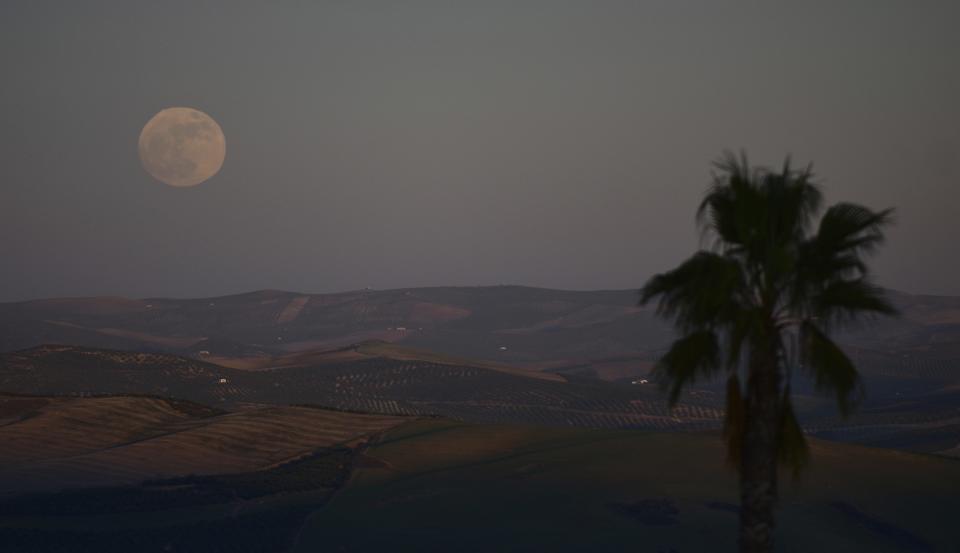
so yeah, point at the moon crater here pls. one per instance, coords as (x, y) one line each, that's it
(182, 147)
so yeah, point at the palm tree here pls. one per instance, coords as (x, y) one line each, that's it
(761, 302)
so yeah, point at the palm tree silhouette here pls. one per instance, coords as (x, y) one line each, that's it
(761, 302)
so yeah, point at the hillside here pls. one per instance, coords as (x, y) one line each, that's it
(387, 379)
(55, 442)
(358, 379)
(371, 349)
(599, 333)
(508, 324)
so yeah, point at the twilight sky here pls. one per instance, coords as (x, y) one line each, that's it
(394, 144)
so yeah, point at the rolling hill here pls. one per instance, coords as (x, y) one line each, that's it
(365, 378)
(509, 324)
(500, 354)
(587, 333)
(51, 443)
(387, 379)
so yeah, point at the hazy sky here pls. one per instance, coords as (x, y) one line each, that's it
(394, 144)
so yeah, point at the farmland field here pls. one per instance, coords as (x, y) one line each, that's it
(384, 385)
(123, 440)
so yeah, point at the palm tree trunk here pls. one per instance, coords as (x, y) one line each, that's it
(758, 460)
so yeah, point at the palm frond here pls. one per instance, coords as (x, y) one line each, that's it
(792, 200)
(847, 227)
(731, 204)
(830, 367)
(793, 450)
(693, 355)
(702, 292)
(846, 301)
(831, 276)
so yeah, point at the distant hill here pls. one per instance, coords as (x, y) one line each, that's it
(588, 333)
(515, 325)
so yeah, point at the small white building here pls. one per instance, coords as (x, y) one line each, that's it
(223, 381)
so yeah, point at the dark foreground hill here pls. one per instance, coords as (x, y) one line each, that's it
(438, 486)
(153, 475)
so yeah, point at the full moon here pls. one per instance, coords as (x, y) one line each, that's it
(182, 147)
